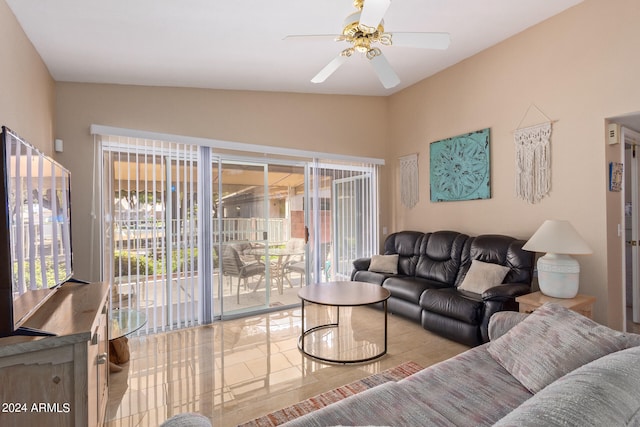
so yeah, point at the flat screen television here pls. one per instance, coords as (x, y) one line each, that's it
(35, 249)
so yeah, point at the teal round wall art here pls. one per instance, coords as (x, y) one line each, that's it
(459, 167)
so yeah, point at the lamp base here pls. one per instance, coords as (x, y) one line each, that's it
(558, 275)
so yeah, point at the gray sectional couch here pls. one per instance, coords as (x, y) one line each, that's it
(551, 368)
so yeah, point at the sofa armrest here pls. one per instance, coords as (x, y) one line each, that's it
(501, 322)
(361, 264)
(505, 292)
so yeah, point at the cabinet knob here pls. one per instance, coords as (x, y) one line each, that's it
(102, 358)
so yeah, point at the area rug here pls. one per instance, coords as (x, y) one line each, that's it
(289, 413)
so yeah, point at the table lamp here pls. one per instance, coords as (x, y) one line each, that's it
(558, 272)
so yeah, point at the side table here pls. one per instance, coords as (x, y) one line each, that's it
(123, 322)
(582, 304)
(340, 294)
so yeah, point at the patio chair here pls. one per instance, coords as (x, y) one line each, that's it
(297, 267)
(247, 250)
(294, 263)
(234, 266)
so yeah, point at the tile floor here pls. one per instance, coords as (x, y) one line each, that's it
(237, 370)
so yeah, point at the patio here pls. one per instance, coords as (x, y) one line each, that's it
(180, 300)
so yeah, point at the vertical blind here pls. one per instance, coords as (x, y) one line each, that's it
(154, 192)
(154, 188)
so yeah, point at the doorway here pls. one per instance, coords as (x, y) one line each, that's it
(258, 234)
(630, 140)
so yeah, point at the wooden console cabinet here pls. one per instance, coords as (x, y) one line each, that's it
(60, 380)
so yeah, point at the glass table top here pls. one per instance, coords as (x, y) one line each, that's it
(125, 321)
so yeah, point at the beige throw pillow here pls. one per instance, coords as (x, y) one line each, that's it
(551, 342)
(482, 276)
(384, 264)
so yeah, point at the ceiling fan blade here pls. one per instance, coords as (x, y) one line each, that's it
(387, 76)
(372, 13)
(329, 69)
(421, 40)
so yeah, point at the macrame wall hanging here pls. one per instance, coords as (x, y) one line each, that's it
(409, 192)
(533, 159)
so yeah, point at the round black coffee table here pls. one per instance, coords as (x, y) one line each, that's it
(341, 294)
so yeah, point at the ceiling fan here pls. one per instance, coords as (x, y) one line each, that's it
(363, 29)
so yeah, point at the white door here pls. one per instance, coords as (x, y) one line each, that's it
(344, 218)
(632, 221)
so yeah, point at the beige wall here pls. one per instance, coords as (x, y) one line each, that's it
(579, 68)
(27, 89)
(347, 125)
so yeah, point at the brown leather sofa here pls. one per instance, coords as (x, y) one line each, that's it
(431, 268)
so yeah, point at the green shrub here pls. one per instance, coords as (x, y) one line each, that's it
(50, 273)
(131, 264)
(128, 264)
(188, 260)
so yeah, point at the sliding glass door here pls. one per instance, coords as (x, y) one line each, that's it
(191, 235)
(258, 234)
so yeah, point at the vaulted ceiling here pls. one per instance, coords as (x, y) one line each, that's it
(241, 44)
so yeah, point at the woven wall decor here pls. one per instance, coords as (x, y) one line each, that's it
(533, 162)
(409, 188)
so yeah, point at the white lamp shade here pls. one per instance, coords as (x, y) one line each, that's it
(559, 237)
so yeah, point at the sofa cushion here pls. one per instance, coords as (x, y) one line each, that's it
(408, 288)
(501, 322)
(470, 389)
(384, 264)
(482, 276)
(189, 419)
(369, 277)
(440, 254)
(501, 250)
(601, 393)
(452, 303)
(551, 342)
(407, 245)
(386, 403)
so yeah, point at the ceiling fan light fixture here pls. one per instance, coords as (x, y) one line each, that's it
(385, 39)
(369, 30)
(362, 44)
(347, 52)
(372, 53)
